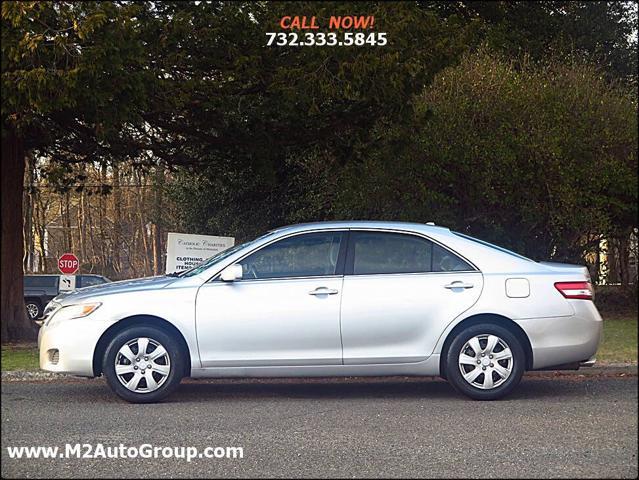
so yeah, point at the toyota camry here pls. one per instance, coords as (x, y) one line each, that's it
(332, 299)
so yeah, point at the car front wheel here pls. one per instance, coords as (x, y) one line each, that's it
(485, 362)
(143, 364)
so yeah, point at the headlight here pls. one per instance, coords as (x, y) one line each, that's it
(73, 311)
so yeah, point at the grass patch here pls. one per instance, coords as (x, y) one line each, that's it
(619, 339)
(20, 357)
(619, 345)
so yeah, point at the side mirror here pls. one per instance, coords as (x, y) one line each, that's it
(231, 273)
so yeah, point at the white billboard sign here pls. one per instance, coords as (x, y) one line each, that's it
(185, 250)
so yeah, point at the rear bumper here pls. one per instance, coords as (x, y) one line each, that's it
(573, 365)
(560, 341)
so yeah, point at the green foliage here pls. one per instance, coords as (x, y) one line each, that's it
(604, 32)
(540, 156)
(19, 357)
(537, 155)
(257, 114)
(244, 101)
(74, 74)
(619, 344)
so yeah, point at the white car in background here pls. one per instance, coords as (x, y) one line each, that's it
(332, 299)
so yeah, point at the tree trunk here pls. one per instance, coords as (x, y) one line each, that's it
(68, 234)
(142, 214)
(117, 219)
(597, 264)
(28, 212)
(624, 258)
(157, 215)
(157, 253)
(42, 207)
(91, 228)
(14, 324)
(102, 212)
(81, 220)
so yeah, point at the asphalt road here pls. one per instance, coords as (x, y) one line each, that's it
(551, 427)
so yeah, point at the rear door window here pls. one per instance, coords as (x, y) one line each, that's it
(373, 253)
(381, 252)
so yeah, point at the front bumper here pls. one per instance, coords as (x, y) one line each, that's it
(68, 346)
(562, 341)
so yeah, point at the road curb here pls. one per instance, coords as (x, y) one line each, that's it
(32, 376)
(617, 369)
(614, 369)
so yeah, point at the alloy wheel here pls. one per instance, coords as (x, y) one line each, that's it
(32, 310)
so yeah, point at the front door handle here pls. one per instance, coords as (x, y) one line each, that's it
(323, 291)
(458, 284)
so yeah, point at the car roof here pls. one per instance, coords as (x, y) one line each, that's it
(376, 224)
(482, 256)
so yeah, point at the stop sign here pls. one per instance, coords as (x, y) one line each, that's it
(68, 263)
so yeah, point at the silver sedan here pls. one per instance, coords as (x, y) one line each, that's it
(332, 299)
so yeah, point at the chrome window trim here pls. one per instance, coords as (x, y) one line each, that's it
(255, 280)
(363, 275)
(215, 277)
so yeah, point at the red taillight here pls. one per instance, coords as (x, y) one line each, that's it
(579, 290)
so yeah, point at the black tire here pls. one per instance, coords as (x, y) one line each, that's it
(174, 353)
(455, 376)
(34, 308)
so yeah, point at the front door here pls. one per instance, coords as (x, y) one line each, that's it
(284, 311)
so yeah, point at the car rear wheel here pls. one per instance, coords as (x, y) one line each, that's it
(143, 364)
(485, 362)
(34, 309)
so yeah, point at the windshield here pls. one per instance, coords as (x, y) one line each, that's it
(496, 247)
(218, 257)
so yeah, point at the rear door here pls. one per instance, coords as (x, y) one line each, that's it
(400, 291)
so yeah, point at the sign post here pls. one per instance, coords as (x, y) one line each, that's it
(68, 264)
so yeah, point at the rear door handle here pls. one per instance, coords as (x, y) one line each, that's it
(458, 284)
(323, 291)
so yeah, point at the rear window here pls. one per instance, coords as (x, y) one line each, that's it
(41, 281)
(496, 247)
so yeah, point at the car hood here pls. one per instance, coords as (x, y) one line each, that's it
(137, 284)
